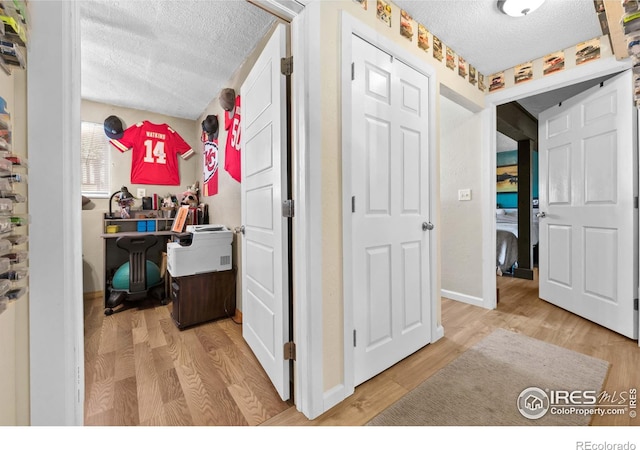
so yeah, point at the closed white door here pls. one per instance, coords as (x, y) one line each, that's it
(588, 182)
(265, 293)
(390, 204)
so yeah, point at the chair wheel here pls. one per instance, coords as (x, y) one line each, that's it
(108, 312)
(164, 301)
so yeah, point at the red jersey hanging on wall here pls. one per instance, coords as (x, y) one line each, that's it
(210, 167)
(155, 153)
(232, 150)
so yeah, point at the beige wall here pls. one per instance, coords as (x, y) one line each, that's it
(14, 321)
(460, 221)
(92, 245)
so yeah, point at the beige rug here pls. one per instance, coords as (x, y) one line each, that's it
(484, 386)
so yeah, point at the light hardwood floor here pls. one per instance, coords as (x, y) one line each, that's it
(141, 370)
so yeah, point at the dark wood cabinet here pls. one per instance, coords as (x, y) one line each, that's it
(203, 297)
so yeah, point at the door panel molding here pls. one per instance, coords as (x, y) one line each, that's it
(595, 69)
(349, 27)
(265, 255)
(592, 254)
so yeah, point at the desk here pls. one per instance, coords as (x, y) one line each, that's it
(114, 256)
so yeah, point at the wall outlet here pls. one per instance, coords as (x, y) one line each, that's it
(141, 192)
(464, 194)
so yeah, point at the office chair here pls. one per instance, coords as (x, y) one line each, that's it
(137, 287)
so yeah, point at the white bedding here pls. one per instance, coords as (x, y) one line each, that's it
(507, 238)
(507, 220)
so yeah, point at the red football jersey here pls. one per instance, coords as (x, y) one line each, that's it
(232, 160)
(155, 153)
(210, 167)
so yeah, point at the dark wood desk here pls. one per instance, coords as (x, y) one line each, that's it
(202, 297)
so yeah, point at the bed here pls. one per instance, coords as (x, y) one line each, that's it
(507, 238)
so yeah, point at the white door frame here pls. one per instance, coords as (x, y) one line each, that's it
(589, 71)
(56, 325)
(351, 26)
(306, 89)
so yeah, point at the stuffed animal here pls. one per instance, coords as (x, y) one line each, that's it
(125, 206)
(168, 201)
(190, 196)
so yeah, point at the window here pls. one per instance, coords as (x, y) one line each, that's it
(95, 161)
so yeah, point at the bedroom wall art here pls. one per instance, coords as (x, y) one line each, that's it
(507, 179)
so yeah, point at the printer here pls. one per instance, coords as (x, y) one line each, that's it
(201, 249)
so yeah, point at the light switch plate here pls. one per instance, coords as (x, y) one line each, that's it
(141, 192)
(464, 194)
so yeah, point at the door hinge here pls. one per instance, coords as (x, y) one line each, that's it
(354, 338)
(353, 204)
(290, 351)
(353, 71)
(635, 202)
(287, 208)
(635, 304)
(286, 65)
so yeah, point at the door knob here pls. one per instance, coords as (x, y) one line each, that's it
(427, 226)
(541, 215)
(239, 229)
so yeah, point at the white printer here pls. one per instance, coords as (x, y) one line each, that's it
(203, 248)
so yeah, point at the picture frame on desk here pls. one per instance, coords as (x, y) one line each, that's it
(181, 218)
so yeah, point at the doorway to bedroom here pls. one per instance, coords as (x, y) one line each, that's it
(517, 184)
(516, 191)
(587, 166)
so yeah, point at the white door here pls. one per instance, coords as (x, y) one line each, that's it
(265, 292)
(390, 187)
(588, 181)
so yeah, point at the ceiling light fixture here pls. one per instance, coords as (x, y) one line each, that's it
(519, 8)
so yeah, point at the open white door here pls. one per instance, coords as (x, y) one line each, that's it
(588, 182)
(265, 283)
(390, 229)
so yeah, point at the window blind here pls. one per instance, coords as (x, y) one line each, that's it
(95, 161)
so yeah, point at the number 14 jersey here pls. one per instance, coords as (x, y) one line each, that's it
(155, 153)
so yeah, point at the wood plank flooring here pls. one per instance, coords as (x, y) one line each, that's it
(141, 370)
(520, 310)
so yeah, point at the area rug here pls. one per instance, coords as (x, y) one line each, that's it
(505, 379)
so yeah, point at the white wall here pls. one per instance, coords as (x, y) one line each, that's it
(461, 229)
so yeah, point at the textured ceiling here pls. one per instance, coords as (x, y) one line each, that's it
(491, 41)
(173, 56)
(169, 57)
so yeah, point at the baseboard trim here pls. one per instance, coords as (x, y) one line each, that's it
(477, 301)
(92, 295)
(526, 274)
(333, 396)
